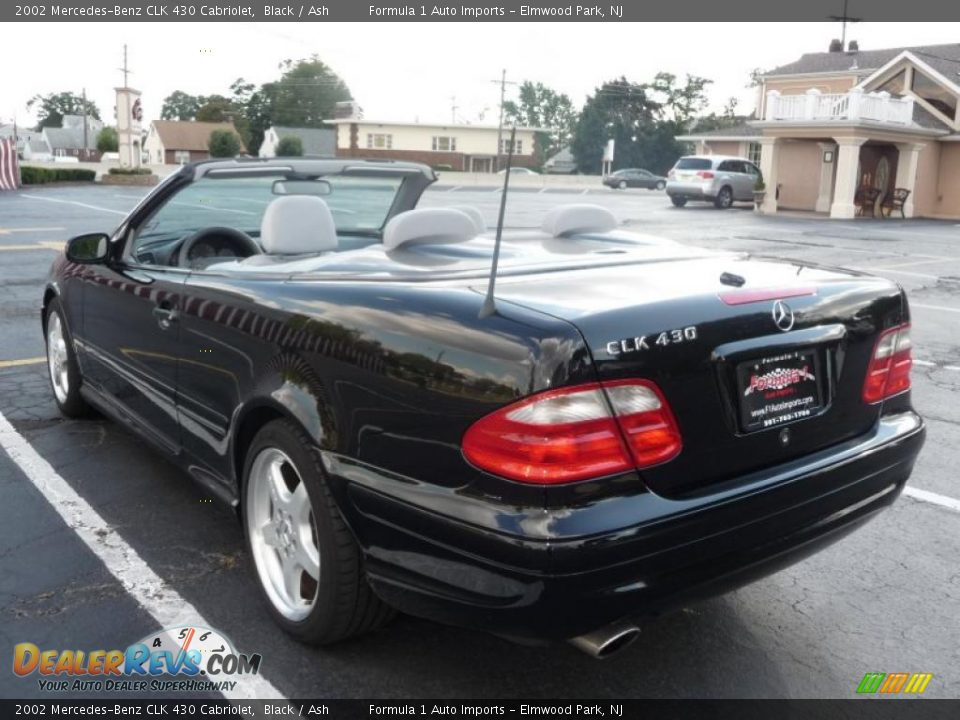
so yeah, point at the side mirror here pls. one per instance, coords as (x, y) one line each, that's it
(90, 248)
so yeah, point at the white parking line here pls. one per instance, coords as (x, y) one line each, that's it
(454, 188)
(74, 202)
(932, 497)
(166, 606)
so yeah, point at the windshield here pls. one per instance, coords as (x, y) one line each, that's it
(359, 205)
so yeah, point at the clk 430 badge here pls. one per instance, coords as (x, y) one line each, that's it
(647, 342)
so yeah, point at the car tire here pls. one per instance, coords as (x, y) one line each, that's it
(291, 521)
(724, 198)
(678, 201)
(622, 185)
(63, 370)
(661, 185)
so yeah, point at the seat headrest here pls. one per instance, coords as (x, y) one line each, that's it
(296, 224)
(474, 214)
(428, 226)
(570, 219)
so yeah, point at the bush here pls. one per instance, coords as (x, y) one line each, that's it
(224, 144)
(107, 140)
(41, 176)
(130, 171)
(290, 146)
(447, 168)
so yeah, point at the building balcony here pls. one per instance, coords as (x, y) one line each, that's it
(854, 106)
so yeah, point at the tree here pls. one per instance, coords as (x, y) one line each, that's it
(542, 107)
(290, 146)
(304, 96)
(680, 103)
(642, 119)
(306, 93)
(53, 106)
(727, 119)
(107, 140)
(179, 105)
(224, 144)
(215, 108)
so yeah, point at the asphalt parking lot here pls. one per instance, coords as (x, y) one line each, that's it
(886, 599)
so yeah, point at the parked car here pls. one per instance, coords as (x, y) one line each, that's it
(719, 179)
(634, 177)
(624, 424)
(518, 171)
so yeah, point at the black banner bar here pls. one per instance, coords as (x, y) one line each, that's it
(469, 11)
(872, 709)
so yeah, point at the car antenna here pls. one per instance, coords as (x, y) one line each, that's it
(489, 304)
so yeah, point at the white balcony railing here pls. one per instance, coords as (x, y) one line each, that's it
(854, 105)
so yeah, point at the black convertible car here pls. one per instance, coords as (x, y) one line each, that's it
(636, 424)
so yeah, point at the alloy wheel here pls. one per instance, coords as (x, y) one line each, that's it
(283, 534)
(58, 361)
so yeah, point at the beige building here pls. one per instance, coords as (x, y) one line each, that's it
(836, 129)
(465, 148)
(176, 142)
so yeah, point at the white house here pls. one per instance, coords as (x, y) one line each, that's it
(461, 147)
(315, 141)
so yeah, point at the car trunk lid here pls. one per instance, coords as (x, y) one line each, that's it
(755, 375)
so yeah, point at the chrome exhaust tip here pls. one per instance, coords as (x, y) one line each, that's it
(607, 640)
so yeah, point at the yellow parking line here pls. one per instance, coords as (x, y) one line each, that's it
(24, 361)
(7, 231)
(41, 245)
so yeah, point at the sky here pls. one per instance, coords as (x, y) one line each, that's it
(401, 71)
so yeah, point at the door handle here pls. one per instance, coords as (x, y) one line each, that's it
(165, 316)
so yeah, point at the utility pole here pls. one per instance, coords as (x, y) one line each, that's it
(503, 89)
(453, 109)
(84, 111)
(124, 69)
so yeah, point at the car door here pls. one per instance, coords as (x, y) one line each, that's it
(744, 181)
(644, 179)
(130, 342)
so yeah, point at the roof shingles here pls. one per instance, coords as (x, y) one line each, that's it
(193, 136)
(945, 59)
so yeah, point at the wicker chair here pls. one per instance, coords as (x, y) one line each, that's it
(896, 201)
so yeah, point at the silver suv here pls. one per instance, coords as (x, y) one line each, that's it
(720, 179)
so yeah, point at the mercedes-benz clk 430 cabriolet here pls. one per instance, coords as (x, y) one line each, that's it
(635, 423)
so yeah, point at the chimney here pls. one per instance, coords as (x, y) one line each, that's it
(853, 46)
(836, 46)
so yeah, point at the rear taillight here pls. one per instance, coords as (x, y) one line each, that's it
(705, 174)
(576, 433)
(889, 370)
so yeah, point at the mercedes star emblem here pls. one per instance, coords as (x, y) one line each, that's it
(782, 315)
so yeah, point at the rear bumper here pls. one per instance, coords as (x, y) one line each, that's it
(691, 191)
(561, 573)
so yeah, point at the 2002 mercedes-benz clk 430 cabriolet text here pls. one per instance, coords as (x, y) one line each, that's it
(634, 423)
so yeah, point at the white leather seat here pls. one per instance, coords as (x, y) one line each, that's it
(565, 220)
(433, 226)
(295, 225)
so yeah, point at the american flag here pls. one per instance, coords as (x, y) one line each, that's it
(9, 164)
